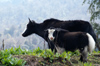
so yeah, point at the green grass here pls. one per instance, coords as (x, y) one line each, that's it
(21, 57)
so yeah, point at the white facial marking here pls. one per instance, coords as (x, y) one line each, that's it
(50, 34)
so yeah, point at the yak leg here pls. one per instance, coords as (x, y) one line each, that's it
(52, 47)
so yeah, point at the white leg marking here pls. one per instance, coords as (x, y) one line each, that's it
(85, 53)
(59, 49)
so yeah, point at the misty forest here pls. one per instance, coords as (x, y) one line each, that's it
(14, 17)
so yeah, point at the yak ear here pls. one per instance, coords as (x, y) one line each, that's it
(59, 29)
(51, 28)
(64, 30)
(29, 19)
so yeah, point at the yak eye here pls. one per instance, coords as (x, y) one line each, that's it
(29, 26)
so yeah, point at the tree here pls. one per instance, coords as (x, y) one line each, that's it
(94, 9)
(96, 27)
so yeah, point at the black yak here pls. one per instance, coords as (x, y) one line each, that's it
(64, 40)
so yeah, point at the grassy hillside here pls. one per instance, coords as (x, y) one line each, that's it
(38, 57)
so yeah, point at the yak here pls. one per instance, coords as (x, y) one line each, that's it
(64, 40)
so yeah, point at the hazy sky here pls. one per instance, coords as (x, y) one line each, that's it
(40, 10)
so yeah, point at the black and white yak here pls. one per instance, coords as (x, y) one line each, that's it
(64, 40)
(72, 26)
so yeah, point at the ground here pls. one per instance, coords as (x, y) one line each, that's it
(93, 60)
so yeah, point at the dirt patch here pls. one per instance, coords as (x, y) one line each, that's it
(30, 60)
(39, 61)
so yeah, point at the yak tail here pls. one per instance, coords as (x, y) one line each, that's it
(92, 42)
